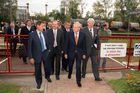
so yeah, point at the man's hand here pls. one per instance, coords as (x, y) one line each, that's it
(32, 61)
(66, 56)
(62, 52)
(22, 44)
(84, 56)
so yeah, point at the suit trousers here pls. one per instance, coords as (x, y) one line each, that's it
(38, 72)
(78, 66)
(94, 64)
(55, 55)
(64, 63)
(13, 45)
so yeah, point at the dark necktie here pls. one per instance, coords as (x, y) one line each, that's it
(41, 41)
(90, 31)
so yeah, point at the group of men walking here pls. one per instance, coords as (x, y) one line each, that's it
(75, 43)
(48, 44)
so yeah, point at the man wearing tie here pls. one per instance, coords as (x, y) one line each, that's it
(38, 50)
(92, 42)
(56, 38)
(75, 48)
(12, 30)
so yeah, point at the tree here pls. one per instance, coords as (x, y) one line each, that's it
(8, 10)
(122, 7)
(102, 8)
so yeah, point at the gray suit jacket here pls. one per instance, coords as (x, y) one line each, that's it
(91, 42)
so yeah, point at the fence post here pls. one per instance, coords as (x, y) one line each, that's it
(139, 65)
(129, 55)
(8, 54)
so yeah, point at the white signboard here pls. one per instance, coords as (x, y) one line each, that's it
(113, 49)
(137, 49)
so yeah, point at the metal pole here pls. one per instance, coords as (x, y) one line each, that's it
(128, 17)
(27, 10)
(10, 10)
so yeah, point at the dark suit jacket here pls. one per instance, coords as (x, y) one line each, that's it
(10, 32)
(34, 46)
(60, 38)
(91, 41)
(25, 31)
(71, 47)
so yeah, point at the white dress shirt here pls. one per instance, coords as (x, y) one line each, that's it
(55, 37)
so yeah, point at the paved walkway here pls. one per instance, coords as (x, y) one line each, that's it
(89, 85)
(64, 85)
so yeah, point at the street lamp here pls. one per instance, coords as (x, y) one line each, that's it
(27, 10)
(46, 5)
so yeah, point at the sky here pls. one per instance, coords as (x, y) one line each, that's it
(38, 6)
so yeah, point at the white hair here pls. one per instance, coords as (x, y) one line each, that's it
(77, 23)
(91, 20)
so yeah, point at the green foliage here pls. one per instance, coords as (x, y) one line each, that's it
(122, 7)
(102, 8)
(5, 7)
(122, 86)
(8, 89)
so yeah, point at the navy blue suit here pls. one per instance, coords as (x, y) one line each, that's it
(75, 51)
(35, 52)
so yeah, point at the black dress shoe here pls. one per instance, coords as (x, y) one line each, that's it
(57, 78)
(98, 79)
(83, 76)
(69, 76)
(38, 86)
(79, 84)
(49, 80)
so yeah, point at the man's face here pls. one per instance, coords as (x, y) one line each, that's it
(90, 24)
(29, 23)
(68, 25)
(40, 27)
(55, 25)
(76, 28)
(107, 26)
(12, 25)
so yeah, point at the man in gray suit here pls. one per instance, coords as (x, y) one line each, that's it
(92, 42)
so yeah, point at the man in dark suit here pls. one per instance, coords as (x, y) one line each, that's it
(13, 40)
(66, 29)
(75, 48)
(92, 42)
(56, 37)
(24, 40)
(39, 48)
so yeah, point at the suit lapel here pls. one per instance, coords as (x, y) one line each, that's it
(37, 38)
(88, 32)
(46, 39)
(73, 37)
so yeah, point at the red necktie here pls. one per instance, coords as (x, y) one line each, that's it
(76, 38)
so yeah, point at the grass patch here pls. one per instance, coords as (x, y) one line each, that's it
(8, 89)
(121, 86)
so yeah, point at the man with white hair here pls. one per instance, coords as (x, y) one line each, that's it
(92, 42)
(75, 48)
